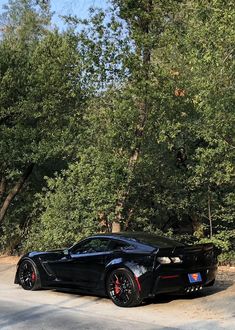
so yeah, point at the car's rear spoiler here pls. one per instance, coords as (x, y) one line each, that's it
(187, 249)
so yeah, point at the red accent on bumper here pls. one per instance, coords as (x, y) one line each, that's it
(169, 276)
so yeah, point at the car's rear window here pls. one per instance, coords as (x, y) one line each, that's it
(154, 240)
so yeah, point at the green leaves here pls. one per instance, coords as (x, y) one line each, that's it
(186, 148)
(40, 96)
(25, 20)
(132, 113)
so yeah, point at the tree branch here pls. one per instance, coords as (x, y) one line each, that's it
(16, 189)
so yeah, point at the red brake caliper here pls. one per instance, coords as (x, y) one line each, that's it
(33, 276)
(117, 288)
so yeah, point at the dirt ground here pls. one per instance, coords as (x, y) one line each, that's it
(226, 273)
(9, 260)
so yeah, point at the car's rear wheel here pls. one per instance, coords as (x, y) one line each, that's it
(122, 288)
(28, 275)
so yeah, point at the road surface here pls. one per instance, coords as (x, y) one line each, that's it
(49, 309)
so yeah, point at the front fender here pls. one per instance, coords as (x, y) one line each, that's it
(37, 265)
(25, 257)
(16, 280)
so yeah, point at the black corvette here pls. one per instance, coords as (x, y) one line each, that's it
(127, 267)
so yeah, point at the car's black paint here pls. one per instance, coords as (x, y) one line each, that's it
(87, 265)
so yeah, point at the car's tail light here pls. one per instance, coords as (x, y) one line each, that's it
(167, 260)
(176, 260)
(164, 260)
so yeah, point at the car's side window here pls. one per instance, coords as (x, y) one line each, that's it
(119, 245)
(92, 246)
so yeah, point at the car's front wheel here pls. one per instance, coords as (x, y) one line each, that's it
(122, 288)
(28, 275)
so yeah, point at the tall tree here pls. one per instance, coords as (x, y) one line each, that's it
(147, 21)
(157, 148)
(139, 18)
(39, 93)
(25, 20)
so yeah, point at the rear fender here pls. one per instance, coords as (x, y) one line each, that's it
(137, 269)
(141, 273)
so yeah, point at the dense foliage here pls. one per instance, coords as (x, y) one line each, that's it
(124, 121)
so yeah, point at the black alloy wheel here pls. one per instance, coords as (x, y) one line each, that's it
(28, 276)
(122, 288)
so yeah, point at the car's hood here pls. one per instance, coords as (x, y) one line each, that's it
(46, 254)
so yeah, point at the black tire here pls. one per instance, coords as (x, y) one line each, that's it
(122, 288)
(210, 283)
(28, 275)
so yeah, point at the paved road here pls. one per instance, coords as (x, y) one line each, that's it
(48, 309)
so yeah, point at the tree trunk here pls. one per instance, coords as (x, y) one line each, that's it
(2, 186)
(116, 227)
(209, 212)
(143, 108)
(197, 226)
(195, 223)
(12, 194)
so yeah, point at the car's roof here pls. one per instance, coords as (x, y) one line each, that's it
(143, 238)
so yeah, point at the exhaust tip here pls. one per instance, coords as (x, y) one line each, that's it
(193, 288)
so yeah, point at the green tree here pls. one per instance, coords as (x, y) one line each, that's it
(40, 104)
(25, 20)
(157, 147)
(205, 67)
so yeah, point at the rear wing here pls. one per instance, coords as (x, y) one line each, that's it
(200, 254)
(186, 249)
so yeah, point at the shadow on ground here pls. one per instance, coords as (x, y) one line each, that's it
(219, 286)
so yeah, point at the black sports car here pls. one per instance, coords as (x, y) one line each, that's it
(127, 267)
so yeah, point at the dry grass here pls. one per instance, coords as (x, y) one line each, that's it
(9, 260)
